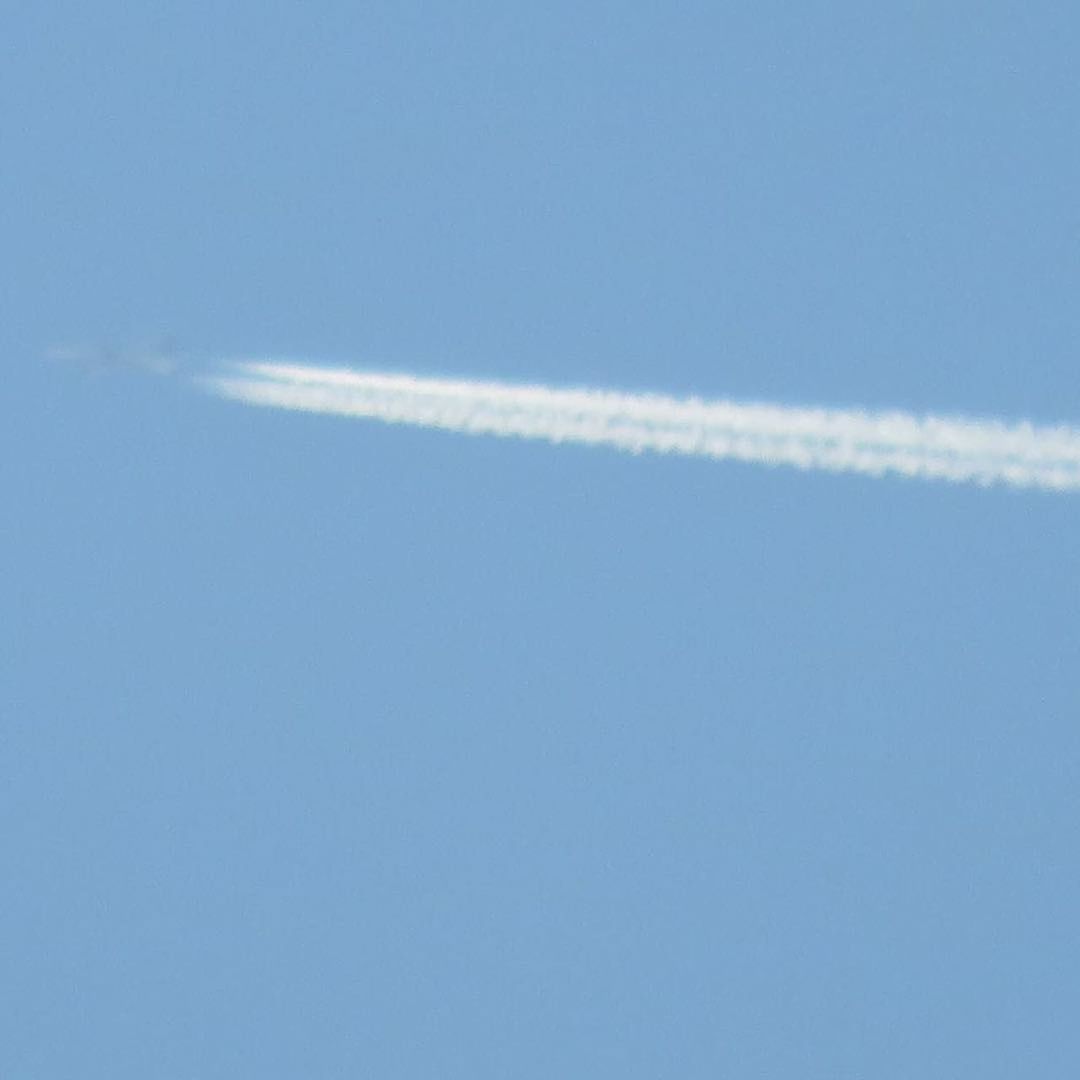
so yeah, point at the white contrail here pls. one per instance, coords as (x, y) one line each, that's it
(983, 451)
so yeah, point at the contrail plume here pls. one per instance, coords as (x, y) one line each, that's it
(946, 448)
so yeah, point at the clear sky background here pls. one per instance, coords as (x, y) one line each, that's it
(331, 749)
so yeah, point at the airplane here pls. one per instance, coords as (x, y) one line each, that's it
(98, 359)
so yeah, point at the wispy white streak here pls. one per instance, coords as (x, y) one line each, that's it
(948, 448)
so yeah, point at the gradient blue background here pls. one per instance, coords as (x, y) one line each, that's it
(334, 750)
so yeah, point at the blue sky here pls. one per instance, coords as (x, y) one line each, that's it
(332, 749)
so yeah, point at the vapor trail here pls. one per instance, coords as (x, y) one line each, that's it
(983, 451)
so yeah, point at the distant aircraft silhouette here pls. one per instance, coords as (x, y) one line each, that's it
(102, 359)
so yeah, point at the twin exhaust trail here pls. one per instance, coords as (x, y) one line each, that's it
(871, 443)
